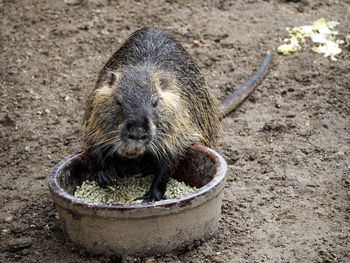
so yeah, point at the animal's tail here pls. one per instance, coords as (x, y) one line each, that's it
(235, 98)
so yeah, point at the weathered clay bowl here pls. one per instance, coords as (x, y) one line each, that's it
(147, 228)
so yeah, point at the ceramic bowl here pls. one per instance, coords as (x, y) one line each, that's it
(146, 228)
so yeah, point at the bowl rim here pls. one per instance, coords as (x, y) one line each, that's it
(182, 201)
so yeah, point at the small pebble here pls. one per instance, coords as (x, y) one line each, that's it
(8, 219)
(196, 44)
(278, 102)
(151, 260)
(5, 231)
(72, 2)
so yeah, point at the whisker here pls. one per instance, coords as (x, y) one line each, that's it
(155, 151)
(101, 143)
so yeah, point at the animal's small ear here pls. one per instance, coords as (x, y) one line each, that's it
(108, 86)
(113, 78)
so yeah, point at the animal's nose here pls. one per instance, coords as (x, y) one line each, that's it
(137, 135)
(138, 130)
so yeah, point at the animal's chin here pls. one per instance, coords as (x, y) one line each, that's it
(131, 152)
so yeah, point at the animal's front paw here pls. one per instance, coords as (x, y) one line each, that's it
(151, 196)
(105, 178)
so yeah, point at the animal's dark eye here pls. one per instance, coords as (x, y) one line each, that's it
(163, 84)
(155, 103)
(118, 102)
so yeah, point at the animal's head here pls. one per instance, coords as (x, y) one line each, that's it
(129, 112)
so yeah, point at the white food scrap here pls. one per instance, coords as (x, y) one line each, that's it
(347, 40)
(321, 32)
(287, 49)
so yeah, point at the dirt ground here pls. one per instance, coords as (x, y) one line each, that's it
(287, 146)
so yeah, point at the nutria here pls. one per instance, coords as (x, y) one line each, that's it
(149, 105)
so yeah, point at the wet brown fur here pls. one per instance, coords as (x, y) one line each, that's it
(188, 118)
(151, 66)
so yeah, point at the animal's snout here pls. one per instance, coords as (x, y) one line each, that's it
(138, 130)
(137, 134)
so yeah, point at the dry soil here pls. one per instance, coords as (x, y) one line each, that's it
(287, 146)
